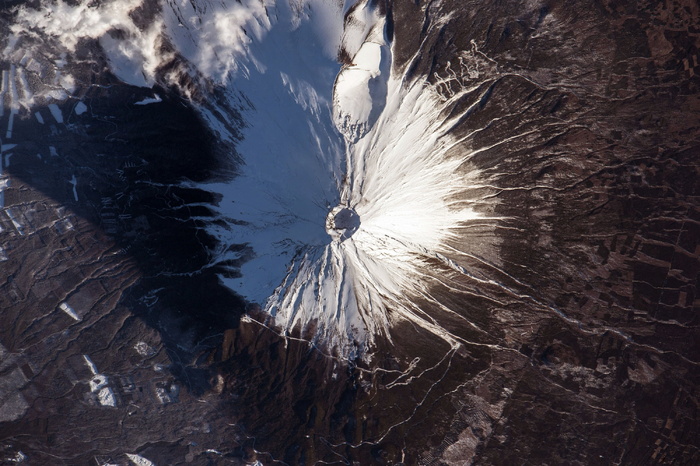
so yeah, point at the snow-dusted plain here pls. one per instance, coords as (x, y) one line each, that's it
(318, 136)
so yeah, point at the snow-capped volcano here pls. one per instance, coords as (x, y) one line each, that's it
(350, 181)
(390, 189)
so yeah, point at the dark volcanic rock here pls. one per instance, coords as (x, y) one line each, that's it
(105, 271)
(590, 113)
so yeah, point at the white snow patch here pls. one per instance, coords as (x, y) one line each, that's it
(106, 397)
(4, 184)
(27, 99)
(65, 307)
(91, 365)
(99, 385)
(11, 44)
(10, 125)
(151, 100)
(14, 99)
(144, 349)
(56, 113)
(139, 460)
(14, 95)
(98, 382)
(10, 214)
(5, 81)
(63, 225)
(358, 92)
(39, 118)
(80, 108)
(74, 182)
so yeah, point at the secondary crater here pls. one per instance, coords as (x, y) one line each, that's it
(342, 222)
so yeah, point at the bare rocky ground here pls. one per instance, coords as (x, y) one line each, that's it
(584, 343)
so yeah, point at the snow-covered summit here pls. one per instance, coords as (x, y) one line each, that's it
(350, 183)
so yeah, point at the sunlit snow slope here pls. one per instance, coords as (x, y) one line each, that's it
(317, 137)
